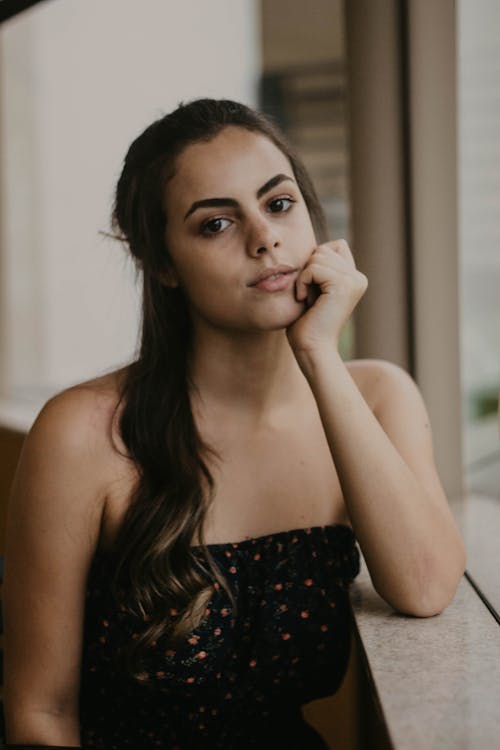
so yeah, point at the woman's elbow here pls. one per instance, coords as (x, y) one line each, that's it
(436, 598)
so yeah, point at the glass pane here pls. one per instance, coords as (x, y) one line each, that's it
(479, 169)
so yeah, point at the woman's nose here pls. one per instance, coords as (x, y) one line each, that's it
(262, 237)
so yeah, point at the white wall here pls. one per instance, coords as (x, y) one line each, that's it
(78, 81)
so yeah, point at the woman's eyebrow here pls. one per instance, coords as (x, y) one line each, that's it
(217, 202)
(270, 184)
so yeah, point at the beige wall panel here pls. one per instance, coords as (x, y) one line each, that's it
(288, 40)
(377, 189)
(433, 113)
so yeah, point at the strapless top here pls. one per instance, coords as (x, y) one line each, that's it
(235, 681)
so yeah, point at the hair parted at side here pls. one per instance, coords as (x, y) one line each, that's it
(156, 570)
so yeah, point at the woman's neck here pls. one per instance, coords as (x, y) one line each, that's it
(252, 376)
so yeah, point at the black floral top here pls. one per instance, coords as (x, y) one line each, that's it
(235, 682)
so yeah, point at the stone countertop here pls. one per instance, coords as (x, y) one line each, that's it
(437, 679)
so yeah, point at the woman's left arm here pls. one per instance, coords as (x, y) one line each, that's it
(384, 459)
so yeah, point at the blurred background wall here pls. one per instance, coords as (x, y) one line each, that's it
(395, 110)
(78, 81)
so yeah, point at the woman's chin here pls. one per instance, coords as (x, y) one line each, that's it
(285, 317)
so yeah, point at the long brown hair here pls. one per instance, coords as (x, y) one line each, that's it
(155, 564)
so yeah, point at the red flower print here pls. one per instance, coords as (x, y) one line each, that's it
(217, 631)
(190, 680)
(324, 628)
(256, 556)
(201, 654)
(283, 607)
(160, 675)
(252, 663)
(224, 612)
(286, 636)
(232, 569)
(278, 587)
(304, 614)
(308, 582)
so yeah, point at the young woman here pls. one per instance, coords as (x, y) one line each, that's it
(183, 531)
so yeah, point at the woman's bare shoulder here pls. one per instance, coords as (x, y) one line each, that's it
(377, 377)
(103, 388)
(366, 373)
(85, 414)
(96, 397)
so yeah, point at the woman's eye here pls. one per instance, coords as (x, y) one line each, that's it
(280, 205)
(215, 226)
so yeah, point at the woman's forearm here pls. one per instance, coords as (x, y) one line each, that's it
(411, 546)
(41, 729)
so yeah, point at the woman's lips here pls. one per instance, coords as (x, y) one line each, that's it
(277, 284)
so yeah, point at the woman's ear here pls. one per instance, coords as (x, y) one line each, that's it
(168, 277)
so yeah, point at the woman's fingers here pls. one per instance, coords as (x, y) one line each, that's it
(309, 275)
(343, 249)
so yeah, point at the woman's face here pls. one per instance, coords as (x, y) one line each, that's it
(233, 210)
